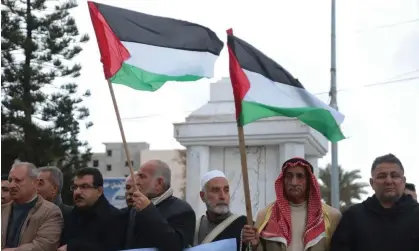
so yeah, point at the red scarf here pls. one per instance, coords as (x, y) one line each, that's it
(279, 224)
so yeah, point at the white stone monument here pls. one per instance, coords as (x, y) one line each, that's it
(210, 136)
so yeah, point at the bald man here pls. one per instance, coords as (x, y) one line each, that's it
(162, 221)
(218, 223)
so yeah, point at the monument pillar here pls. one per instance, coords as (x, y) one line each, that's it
(197, 164)
(313, 160)
(290, 150)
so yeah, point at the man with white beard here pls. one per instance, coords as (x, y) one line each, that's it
(218, 223)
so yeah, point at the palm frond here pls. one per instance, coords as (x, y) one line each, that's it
(350, 188)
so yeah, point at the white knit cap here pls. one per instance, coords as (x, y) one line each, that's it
(211, 175)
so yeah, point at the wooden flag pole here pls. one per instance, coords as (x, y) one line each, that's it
(243, 158)
(243, 154)
(121, 129)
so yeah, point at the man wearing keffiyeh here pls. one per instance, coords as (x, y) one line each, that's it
(297, 220)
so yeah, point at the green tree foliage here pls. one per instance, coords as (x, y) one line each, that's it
(350, 188)
(42, 107)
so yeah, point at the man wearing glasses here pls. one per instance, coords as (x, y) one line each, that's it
(91, 224)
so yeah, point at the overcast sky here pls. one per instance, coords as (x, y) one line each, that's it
(377, 41)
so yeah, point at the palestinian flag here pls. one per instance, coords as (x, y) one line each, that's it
(144, 51)
(262, 89)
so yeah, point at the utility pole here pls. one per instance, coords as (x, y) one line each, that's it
(333, 103)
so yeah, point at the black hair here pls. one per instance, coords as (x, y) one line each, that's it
(410, 187)
(5, 177)
(97, 176)
(388, 158)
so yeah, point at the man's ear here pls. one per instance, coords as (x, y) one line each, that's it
(56, 189)
(160, 181)
(202, 195)
(100, 190)
(371, 182)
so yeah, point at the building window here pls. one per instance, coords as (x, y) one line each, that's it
(132, 163)
(95, 163)
(108, 167)
(109, 153)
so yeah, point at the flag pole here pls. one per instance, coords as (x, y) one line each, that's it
(243, 158)
(121, 129)
(334, 176)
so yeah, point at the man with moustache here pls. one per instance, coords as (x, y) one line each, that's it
(5, 191)
(218, 223)
(50, 184)
(162, 221)
(297, 220)
(387, 221)
(29, 223)
(91, 224)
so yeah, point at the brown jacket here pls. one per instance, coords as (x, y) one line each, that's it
(41, 230)
(331, 217)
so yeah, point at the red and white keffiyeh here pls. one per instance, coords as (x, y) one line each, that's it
(279, 225)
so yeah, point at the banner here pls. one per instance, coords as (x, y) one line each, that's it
(223, 245)
(114, 191)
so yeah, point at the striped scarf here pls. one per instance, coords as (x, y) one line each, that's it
(279, 227)
(165, 195)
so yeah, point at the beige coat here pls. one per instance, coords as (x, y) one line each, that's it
(41, 230)
(332, 217)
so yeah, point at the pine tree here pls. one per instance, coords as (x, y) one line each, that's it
(41, 106)
(62, 110)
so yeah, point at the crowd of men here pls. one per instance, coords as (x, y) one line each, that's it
(34, 217)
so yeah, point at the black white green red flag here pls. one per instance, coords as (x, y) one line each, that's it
(262, 88)
(144, 51)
